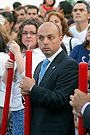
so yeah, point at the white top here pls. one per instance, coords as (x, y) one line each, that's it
(3, 59)
(16, 100)
(66, 42)
(79, 35)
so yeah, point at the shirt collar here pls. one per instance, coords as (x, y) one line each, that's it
(54, 55)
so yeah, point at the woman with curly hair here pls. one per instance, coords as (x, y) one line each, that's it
(27, 36)
(67, 39)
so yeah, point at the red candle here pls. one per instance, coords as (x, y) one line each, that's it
(83, 81)
(7, 98)
(27, 117)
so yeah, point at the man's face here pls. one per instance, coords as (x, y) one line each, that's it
(32, 13)
(59, 10)
(21, 14)
(7, 25)
(56, 20)
(49, 40)
(80, 13)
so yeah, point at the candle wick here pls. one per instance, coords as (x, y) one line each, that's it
(29, 47)
(83, 58)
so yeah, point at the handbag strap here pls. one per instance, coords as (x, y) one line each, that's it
(70, 44)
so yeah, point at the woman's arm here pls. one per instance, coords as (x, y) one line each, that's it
(41, 9)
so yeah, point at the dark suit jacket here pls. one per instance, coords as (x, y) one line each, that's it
(86, 118)
(51, 112)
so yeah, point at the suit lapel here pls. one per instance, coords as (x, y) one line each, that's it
(52, 66)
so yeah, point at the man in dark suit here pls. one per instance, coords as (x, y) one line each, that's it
(51, 113)
(80, 102)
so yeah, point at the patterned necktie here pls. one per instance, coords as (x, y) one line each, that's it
(43, 68)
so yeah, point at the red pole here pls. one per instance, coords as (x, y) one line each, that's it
(27, 117)
(7, 98)
(83, 81)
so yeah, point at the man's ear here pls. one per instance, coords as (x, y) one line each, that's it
(12, 23)
(61, 10)
(60, 38)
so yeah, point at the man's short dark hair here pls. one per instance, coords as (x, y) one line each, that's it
(16, 4)
(86, 3)
(33, 7)
(9, 16)
(66, 6)
(47, 12)
(21, 7)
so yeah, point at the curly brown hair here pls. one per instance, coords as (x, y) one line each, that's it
(86, 42)
(63, 23)
(3, 45)
(32, 21)
(4, 33)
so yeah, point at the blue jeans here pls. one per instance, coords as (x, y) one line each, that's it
(18, 122)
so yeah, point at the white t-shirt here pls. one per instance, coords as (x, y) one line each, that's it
(79, 35)
(3, 59)
(16, 100)
(66, 42)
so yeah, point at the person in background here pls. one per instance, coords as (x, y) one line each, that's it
(46, 14)
(49, 94)
(15, 16)
(17, 25)
(47, 5)
(65, 8)
(67, 39)
(80, 102)
(68, 16)
(41, 18)
(7, 8)
(80, 16)
(32, 12)
(3, 58)
(9, 24)
(16, 4)
(2, 20)
(4, 33)
(26, 36)
(21, 13)
(71, 22)
(81, 52)
(26, 6)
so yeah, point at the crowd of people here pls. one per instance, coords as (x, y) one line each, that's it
(59, 40)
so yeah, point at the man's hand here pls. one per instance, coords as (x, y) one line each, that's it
(26, 84)
(78, 100)
(76, 113)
